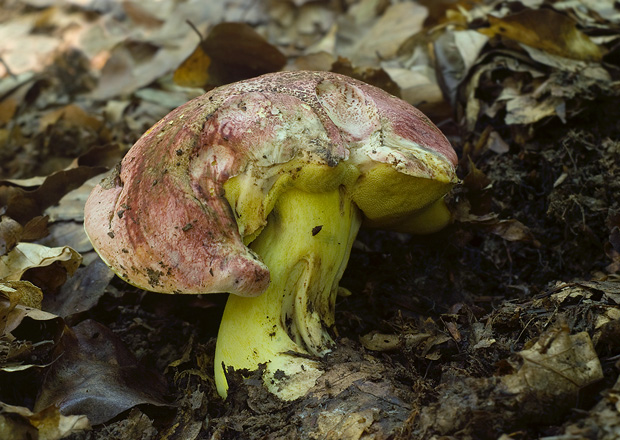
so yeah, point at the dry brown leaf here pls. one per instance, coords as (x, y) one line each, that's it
(27, 334)
(380, 341)
(24, 203)
(48, 424)
(73, 116)
(397, 23)
(36, 228)
(547, 30)
(18, 300)
(7, 110)
(22, 293)
(557, 364)
(10, 234)
(513, 230)
(26, 256)
(231, 52)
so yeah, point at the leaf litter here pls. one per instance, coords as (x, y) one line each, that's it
(504, 325)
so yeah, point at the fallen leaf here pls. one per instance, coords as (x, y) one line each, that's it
(24, 203)
(10, 234)
(26, 256)
(547, 30)
(27, 334)
(513, 230)
(35, 229)
(72, 115)
(97, 375)
(231, 52)
(48, 424)
(81, 292)
(397, 23)
(557, 364)
(380, 342)
(7, 110)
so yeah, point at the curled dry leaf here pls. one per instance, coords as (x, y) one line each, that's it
(547, 30)
(48, 424)
(557, 364)
(22, 292)
(549, 382)
(26, 333)
(26, 256)
(231, 52)
(380, 341)
(24, 203)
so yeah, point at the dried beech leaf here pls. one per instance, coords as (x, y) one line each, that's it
(397, 23)
(36, 228)
(194, 71)
(20, 423)
(547, 30)
(19, 300)
(231, 52)
(27, 256)
(24, 203)
(559, 363)
(73, 116)
(513, 230)
(10, 234)
(96, 375)
(380, 342)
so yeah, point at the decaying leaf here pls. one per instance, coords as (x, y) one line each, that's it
(81, 292)
(27, 334)
(24, 203)
(73, 116)
(554, 371)
(26, 256)
(231, 52)
(10, 234)
(508, 229)
(384, 36)
(547, 30)
(380, 342)
(96, 375)
(48, 424)
(21, 292)
(557, 364)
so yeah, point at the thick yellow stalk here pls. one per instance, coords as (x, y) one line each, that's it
(306, 246)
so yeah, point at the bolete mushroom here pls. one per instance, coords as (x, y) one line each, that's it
(258, 189)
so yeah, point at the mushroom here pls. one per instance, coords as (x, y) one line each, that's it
(258, 188)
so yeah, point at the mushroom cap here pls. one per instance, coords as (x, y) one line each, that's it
(173, 216)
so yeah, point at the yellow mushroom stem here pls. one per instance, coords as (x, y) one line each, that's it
(306, 245)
